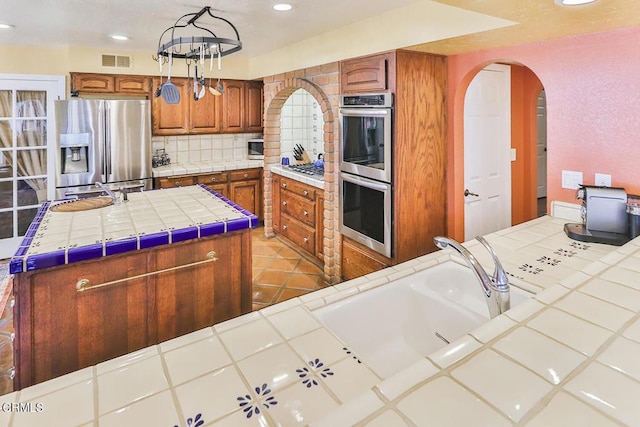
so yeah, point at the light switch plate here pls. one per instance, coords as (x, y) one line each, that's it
(571, 179)
(603, 180)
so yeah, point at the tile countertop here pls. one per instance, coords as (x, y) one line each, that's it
(148, 219)
(298, 176)
(567, 356)
(204, 167)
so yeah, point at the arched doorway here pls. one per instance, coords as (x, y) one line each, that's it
(525, 88)
(276, 94)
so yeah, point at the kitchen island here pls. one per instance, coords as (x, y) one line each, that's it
(96, 284)
(567, 356)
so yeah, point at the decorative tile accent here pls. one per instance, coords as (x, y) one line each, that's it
(352, 354)
(250, 407)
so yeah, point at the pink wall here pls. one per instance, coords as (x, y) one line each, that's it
(592, 84)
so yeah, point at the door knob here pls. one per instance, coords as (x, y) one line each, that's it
(469, 193)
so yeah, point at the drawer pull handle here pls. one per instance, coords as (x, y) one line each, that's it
(284, 227)
(213, 179)
(305, 213)
(177, 183)
(305, 192)
(246, 175)
(306, 239)
(284, 185)
(212, 255)
(284, 203)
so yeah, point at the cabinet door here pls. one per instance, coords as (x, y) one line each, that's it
(254, 106)
(233, 106)
(247, 195)
(61, 329)
(199, 294)
(133, 85)
(92, 83)
(300, 234)
(275, 194)
(320, 227)
(358, 260)
(204, 114)
(171, 119)
(364, 74)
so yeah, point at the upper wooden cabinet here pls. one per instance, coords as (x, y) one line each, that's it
(239, 109)
(369, 74)
(110, 83)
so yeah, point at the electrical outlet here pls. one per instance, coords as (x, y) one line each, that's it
(603, 180)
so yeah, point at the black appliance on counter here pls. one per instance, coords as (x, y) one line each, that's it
(604, 216)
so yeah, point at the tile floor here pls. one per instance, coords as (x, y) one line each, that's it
(279, 273)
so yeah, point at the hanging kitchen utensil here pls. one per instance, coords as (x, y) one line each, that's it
(158, 91)
(169, 91)
(212, 89)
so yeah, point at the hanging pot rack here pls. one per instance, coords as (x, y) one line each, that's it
(204, 44)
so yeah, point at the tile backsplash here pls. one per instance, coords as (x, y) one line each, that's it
(202, 148)
(301, 122)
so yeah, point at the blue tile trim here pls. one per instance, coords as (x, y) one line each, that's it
(183, 234)
(15, 265)
(84, 253)
(115, 247)
(50, 259)
(254, 221)
(237, 224)
(155, 239)
(211, 229)
(21, 251)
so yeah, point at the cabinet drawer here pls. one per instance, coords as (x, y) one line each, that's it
(299, 233)
(176, 181)
(298, 208)
(244, 174)
(215, 178)
(298, 188)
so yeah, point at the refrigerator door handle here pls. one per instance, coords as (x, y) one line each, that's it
(107, 141)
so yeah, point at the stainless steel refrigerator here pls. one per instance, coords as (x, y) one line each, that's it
(106, 141)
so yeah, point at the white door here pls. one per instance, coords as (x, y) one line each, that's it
(487, 152)
(541, 112)
(27, 139)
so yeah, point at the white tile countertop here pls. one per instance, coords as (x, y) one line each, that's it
(193, 168)
(289, 173)
(567, 356)
(147, 219)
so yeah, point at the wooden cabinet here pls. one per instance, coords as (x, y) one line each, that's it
(254, 106)
(77, 315)
(299, 214)
(171, 119)
(358, 260)
(204, 114)
(368, 74)
(242, 186)
(418, 82)
(216, 181)
(110, 83)
(275, 195)
(245, 189)
(233, 106)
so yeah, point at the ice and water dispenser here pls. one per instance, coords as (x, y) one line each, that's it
(74, 152)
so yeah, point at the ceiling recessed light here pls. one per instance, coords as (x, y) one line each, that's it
(282, 7)
(119, 37)
(573, 2)
(5, 26)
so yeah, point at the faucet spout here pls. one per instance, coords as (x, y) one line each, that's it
(109, 192)
(495, 290)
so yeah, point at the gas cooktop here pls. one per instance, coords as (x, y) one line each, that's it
(308, 169)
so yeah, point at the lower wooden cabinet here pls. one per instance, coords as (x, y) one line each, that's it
(298, 214)
(358, 260)
(77, 315)
(242, 186)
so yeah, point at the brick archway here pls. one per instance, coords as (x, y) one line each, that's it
(323, 84)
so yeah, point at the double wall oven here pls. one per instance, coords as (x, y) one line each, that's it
(365, 170)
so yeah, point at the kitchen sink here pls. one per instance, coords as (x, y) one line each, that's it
(397, 324)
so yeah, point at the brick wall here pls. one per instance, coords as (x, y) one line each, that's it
(323, 83)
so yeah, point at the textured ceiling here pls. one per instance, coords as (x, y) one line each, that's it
(537, 20)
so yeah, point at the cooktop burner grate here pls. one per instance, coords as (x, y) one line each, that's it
(308, 169)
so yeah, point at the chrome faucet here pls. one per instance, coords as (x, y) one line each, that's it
(109, 192)
(496, 288)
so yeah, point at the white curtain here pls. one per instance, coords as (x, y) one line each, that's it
(29, 133)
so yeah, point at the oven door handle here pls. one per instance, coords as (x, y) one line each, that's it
(365, 182)
(365, 112)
